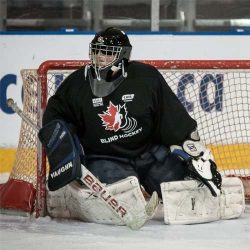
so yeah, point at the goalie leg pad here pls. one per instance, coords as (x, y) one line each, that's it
(232, 198)
(190, 202)
(56, 203)
(77, 202)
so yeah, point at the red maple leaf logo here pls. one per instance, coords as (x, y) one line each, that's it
(111, 118)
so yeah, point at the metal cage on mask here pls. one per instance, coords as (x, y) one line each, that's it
(103, 56)
(109, 53)
(106, 59)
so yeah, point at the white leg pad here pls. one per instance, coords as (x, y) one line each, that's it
(232, 198)
(56, 203)
(190, 202)
(74, 201)
(185, 202)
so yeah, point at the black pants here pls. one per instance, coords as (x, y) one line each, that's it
(152, 168)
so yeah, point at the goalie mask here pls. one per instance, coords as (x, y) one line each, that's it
(109, 52)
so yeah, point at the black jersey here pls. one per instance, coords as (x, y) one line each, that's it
(141, 112)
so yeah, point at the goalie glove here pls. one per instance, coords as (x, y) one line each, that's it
(64, 153)
(205, 171)
(200, 162)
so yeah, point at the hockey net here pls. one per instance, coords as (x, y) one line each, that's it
(215, 93)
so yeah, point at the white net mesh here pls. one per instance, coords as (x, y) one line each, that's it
(219, 100)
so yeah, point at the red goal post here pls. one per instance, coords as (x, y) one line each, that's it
(215, 93)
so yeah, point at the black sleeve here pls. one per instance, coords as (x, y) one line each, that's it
(59, 106)
(173, 123)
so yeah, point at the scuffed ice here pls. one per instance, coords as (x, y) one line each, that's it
(25, 233)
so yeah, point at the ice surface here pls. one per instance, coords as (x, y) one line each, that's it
(23, 233)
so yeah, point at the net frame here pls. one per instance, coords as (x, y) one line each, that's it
(159, 64)
(42, 94)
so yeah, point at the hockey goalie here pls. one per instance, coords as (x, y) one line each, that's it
(114, 128)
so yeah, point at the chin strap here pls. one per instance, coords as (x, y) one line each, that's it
(98, 74)
(86, 69)
(124, 73)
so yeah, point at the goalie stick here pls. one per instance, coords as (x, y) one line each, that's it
(133, 221)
